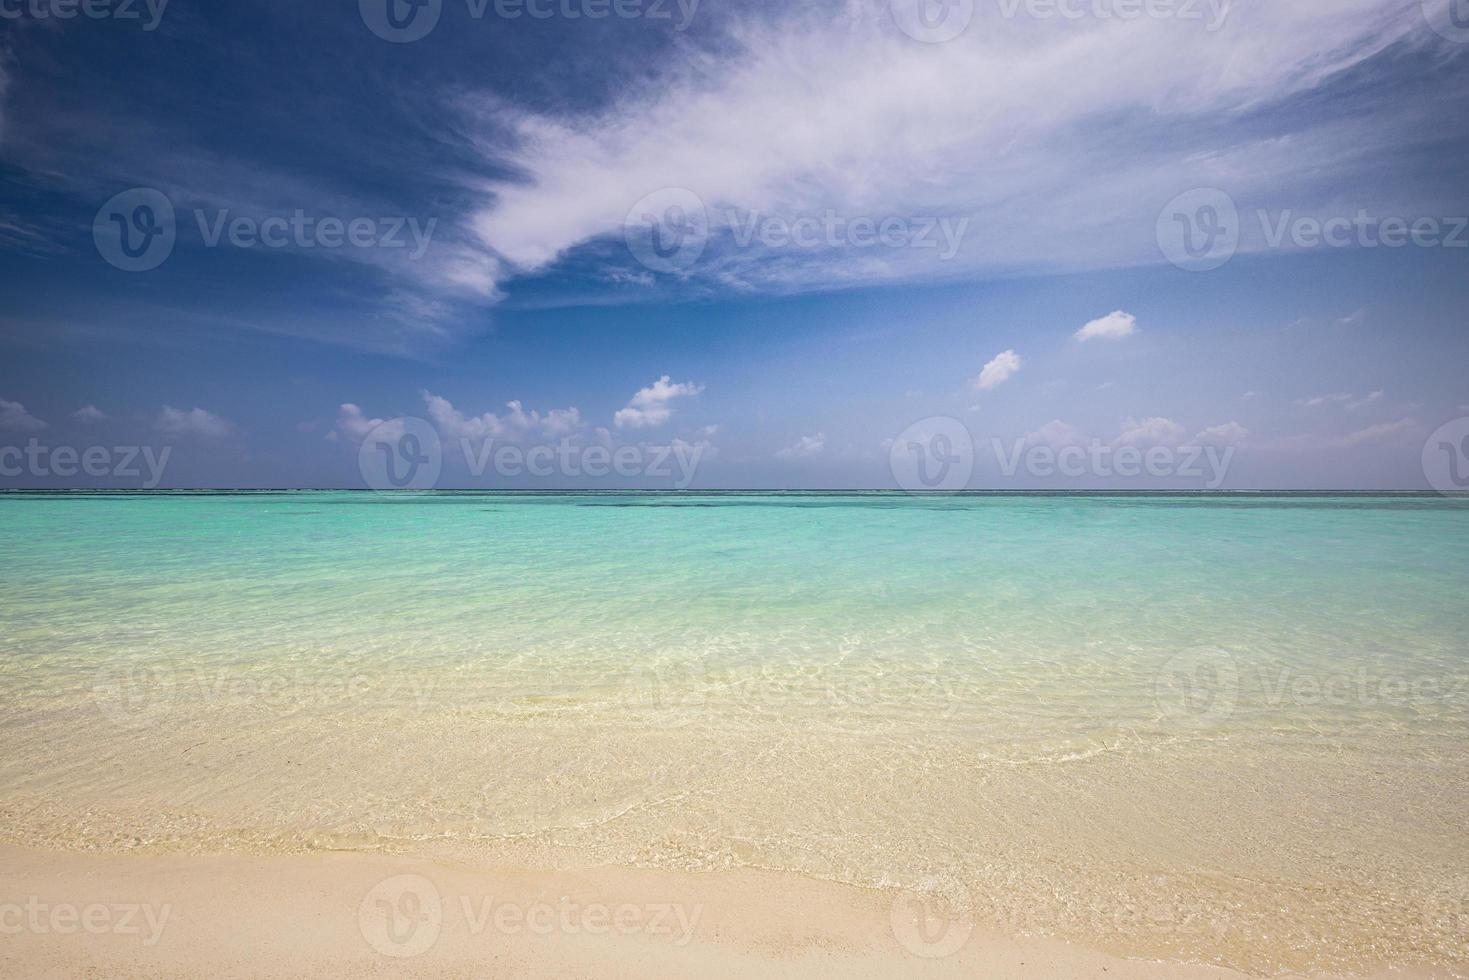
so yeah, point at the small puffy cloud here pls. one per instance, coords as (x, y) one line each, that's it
(1113, 326)
(198, 422)
(807, 446)
(1150, 432)
(1228, 434)
(516, 424)
(1249, 396)
(1055, 434)
(89, 414)
(15, 418)
(998, 371)
(353, 424)
(1352, 318)
(650, 406)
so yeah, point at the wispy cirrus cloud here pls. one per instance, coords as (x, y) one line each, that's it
(1059, 175)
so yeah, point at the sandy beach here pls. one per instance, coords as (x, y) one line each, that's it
(322, 915)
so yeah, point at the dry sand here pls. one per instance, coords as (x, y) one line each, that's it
(310, 915)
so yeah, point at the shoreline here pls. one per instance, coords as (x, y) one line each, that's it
(349, 913)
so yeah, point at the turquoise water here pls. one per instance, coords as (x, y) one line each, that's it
(1228, 728)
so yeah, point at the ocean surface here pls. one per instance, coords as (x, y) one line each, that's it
(1229, 729)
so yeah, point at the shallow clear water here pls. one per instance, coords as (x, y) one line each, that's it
(1217, 728)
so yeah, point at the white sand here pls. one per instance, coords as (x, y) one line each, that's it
(71, 914)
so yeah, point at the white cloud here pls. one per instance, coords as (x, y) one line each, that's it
(1056, 434)
(1150, 432)
(805, 447)
(515, 425)
(1373, 433)
(1352, 318)
(747, 125)
(89, 414)
(198, 422)
(650, 406)
(1249, 396)
(1370, 399)
(1113, 326)
(353, 424)
(998, 371)
(15, 418)
(1228, 434)
(1320, 400)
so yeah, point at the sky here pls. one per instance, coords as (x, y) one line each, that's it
(672, 244)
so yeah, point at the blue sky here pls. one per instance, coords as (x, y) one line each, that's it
(866, 221)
